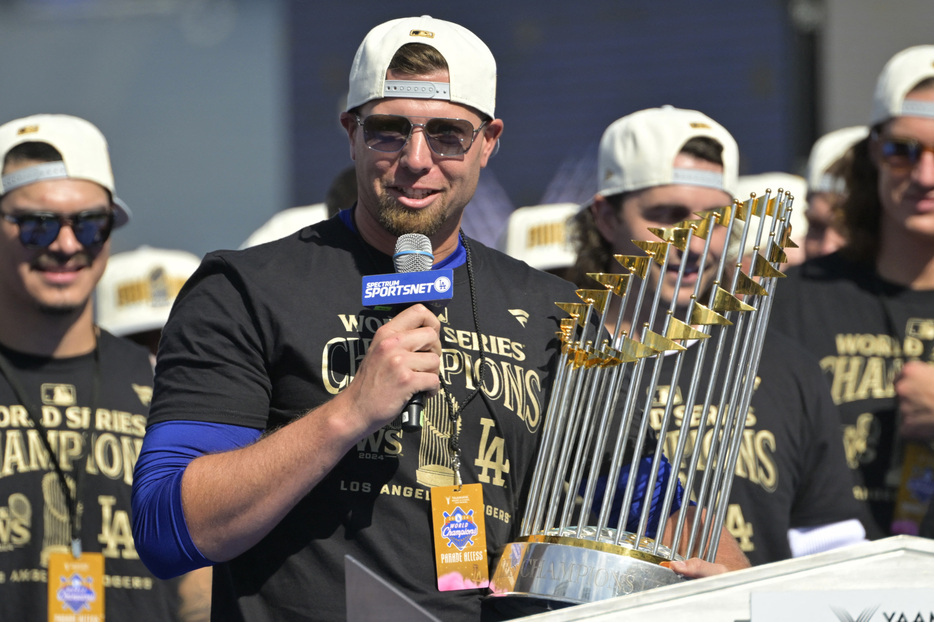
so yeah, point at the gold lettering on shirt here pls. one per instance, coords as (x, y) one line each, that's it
(756, 460)
(116, 535)
(859, 440)
(491, 459)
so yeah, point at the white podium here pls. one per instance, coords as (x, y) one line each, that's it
(896, 563)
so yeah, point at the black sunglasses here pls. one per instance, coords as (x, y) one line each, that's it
(446, 137)
(40, 229)
(902, 153)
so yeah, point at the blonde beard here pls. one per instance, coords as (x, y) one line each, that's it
(398, 219)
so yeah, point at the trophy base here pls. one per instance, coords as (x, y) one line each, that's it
(544, 573)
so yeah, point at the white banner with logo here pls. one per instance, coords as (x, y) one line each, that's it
(884, 605)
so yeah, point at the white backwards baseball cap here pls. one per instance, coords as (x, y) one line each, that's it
(136, 291)
(82, 146)
(539, 235)
(471, 67)
(901, 74)
(825, 152)
(638, 151)
(286, 222)
(774, 181)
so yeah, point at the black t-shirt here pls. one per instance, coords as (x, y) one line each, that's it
(34, 519)
(926, 529)
(862, 329)
(791, 472)
(258, 337)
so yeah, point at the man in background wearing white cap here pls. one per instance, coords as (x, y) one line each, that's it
(796, 186)
(539, 235)
(73, 398)
(136, 292)
(867, 311)
(340, 195)
(657, 168)
(291, 384)
(826, 187)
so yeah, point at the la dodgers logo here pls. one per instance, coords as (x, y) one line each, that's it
(459, 528)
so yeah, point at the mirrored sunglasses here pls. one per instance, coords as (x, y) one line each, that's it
(389, 133)
(40, 229)
(902, 152)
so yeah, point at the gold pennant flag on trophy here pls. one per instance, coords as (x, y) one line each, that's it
(747, 286)
(616, 283)
(725, 301)
(761, 267)
(632, 350)
(658, 251)
(681, 330)
(637, 265)
(776, 253)
(659, 343)
(595, 297)
(704, 316)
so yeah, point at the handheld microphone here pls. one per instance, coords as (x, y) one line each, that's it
(413, 254)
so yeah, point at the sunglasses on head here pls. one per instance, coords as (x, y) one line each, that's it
(388, 133)
(40, 229)
(902, 153)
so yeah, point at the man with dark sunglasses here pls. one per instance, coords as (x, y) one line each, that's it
(73, 398)
(867, 311)
(273, 448)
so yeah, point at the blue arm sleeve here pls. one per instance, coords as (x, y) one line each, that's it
(159, 528)
(640, 495)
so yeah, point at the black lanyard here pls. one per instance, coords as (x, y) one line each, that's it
(35, 415)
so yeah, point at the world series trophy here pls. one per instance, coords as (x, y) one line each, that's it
(577, 543)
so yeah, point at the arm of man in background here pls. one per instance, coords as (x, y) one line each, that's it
(729, 555)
